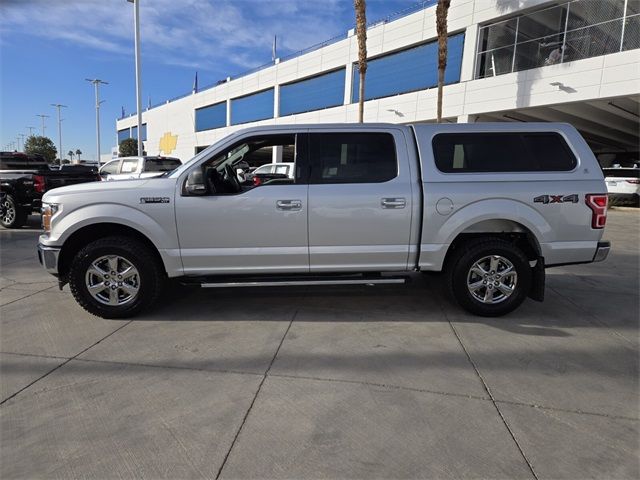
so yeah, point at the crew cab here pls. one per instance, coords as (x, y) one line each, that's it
(25, 178)
(490, 205)
(138, 167)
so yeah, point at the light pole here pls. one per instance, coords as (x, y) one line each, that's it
(136, 24)
(96, 83)
(59, 106)
(31, 129)
(42, 116)
(20, 137)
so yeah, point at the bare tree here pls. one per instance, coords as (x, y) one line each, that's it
(442, 10)
(361, 33)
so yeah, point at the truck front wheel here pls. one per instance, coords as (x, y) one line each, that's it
(489, 277)
(115, 277)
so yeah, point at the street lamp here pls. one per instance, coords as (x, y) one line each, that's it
(59, 106)
(42, 116)
(96, 83)
(136, 23)
(31, 129)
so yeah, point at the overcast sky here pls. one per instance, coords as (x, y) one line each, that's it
(48, 48)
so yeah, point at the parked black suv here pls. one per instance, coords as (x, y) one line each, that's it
(25, 178)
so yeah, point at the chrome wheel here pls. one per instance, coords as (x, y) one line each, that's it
(112, 280)
(9, 212)
(492, 279)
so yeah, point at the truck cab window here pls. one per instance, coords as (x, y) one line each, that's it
(256, 161)
(352, 157)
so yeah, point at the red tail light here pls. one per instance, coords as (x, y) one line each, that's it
(38, 183)
(597, 202)
(256, 181)
(635, 182)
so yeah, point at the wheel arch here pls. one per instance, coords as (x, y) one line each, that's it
(88, 233)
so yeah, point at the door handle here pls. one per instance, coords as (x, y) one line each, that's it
(393, 202)
(289, 205)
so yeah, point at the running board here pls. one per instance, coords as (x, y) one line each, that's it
(304, 282)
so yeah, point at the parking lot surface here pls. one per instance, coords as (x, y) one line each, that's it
(348, 382)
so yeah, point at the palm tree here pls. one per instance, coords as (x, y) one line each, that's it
(78, 153)
(361, 32)
(442, 11)
(70, 153)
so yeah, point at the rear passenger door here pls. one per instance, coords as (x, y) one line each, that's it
(360, 201)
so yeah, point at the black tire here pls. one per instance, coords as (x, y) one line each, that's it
(150, 278)
(460, 276)
(14, 215)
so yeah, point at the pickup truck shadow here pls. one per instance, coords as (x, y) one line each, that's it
(569, 303)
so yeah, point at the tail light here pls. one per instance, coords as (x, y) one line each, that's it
(256, 181)
(38, 183)
(597, 202)
(634, 181)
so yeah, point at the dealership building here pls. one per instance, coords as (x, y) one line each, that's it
(509, 60)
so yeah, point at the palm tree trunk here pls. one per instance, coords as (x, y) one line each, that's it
(361, 33)
(442, 11)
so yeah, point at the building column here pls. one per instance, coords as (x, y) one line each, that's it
(466, 118)
(348, 83)
(228, 112)
(469, 53)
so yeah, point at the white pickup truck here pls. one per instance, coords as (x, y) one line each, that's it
(491, 205)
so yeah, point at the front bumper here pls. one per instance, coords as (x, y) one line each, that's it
(602, 251)
(48, 257)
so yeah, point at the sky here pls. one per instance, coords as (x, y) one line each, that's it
(49, 47)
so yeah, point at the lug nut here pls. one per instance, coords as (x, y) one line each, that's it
(119, 276)
(113, 273)
(113, 287)
(106, 276)
(119, 284)
(106, 283)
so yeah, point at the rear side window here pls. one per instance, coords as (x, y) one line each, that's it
(161, 164)
(502, 152)
(352, 157)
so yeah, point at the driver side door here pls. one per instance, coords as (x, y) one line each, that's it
(258, 230)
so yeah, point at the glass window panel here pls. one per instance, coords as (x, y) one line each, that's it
(409, 70)
(144, 132)
(323, 91)
(212, 116)
(123, 135)
(593, 41)
(352, 157)
(631, 33)
(583, 13)
(498, 35)
(252, 108)
(495, 62)
(129, 166)
(537, 53)
(545, 23)
(502, 152)
(134, 132)
(161, 164)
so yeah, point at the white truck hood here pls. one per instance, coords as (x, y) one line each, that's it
(97, 188)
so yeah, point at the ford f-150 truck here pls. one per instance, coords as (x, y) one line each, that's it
(490, 205)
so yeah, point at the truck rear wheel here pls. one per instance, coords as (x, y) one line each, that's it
(489, 277)
(116, 277)
(14, 215)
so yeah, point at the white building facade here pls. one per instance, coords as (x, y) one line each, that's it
(575, 61)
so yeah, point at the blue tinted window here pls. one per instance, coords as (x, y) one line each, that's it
(134, 132)
(409, 70)
(213, 116)
(323, 91)
(123, 135)
(252, 107)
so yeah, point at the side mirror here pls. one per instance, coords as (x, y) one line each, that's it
(195, 183)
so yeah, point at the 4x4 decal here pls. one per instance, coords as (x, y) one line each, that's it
(556, 199)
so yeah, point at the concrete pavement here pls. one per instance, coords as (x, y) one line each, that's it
(350, 382)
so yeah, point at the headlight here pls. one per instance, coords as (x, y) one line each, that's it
(48, 211)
